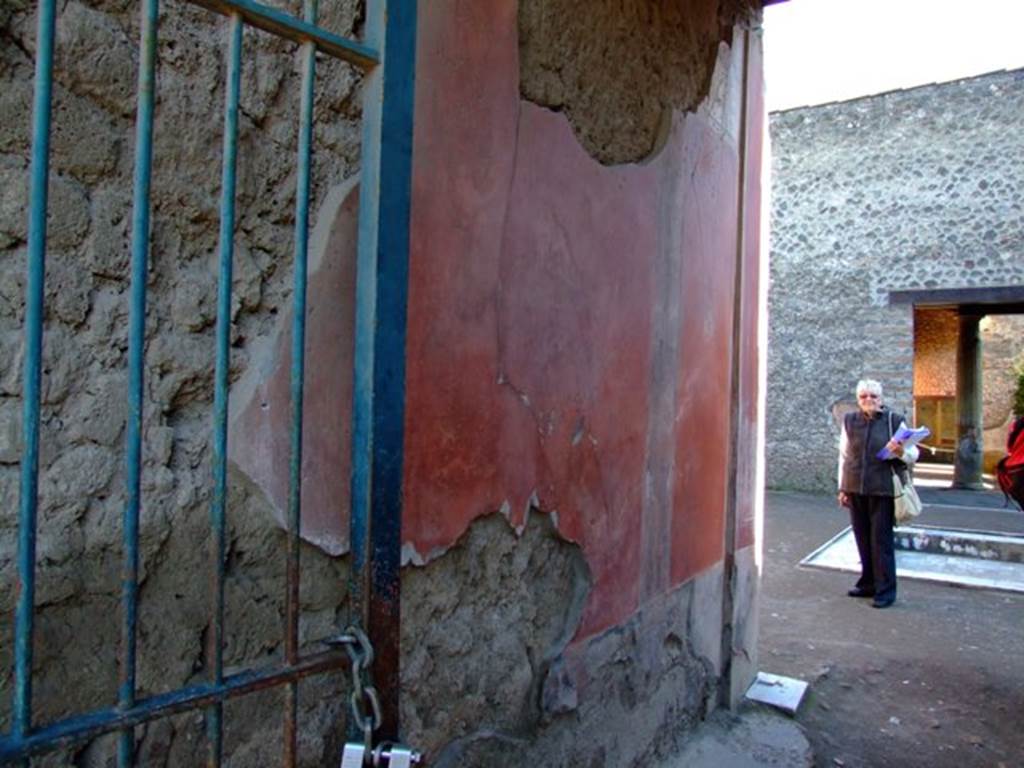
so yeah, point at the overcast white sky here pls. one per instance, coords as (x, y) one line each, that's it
(832, 50)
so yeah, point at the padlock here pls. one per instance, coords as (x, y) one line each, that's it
(353, 756)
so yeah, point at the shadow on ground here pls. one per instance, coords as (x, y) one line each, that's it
(936, 681)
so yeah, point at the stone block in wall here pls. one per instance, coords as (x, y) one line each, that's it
(94, 57)
(745, 621)
(10, 430)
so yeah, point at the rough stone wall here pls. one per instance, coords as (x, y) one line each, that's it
(481, 628)
(623, 697)
(85, 350)
(911, 189)
(628, 697)
(618, 69)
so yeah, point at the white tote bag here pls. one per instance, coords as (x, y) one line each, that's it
(908, 503)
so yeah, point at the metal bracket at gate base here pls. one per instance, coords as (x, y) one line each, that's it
(384, 756)
(395, 756)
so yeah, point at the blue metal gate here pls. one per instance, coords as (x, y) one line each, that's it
(387, 56)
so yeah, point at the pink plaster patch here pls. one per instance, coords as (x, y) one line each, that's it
(259, 438)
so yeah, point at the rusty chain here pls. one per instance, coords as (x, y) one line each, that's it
(360, 653)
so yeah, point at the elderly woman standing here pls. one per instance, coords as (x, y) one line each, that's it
(866, 488)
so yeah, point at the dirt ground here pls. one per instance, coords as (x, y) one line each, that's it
(935, 681)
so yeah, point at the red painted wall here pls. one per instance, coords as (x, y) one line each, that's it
(531, 346)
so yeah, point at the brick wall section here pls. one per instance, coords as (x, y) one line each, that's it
(935, 333)
(920, 188)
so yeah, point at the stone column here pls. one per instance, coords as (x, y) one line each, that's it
(969, 448)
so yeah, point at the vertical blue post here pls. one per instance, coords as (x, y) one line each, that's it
(136, 355)
(218, 509)
(379, 378)
(302, 195)
(22, 703)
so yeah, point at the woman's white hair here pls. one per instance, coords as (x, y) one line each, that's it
(869, 386)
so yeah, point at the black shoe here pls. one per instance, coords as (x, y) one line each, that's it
(861, 592)
(882, 602)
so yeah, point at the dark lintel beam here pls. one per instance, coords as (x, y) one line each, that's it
(998, 300)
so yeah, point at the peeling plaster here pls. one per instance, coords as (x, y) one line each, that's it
(618, 70)
(412, 556)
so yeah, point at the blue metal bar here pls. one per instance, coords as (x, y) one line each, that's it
(379, 377)
(136, 355)
(40, 172)
(218, 509)
(366, 310)
(302, 195)
(301, 31)
(84, 728)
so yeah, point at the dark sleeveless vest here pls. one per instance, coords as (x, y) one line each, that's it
(863, 473)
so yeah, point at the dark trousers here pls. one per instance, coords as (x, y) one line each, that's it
(872, 520)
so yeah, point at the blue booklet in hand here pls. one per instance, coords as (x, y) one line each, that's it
(907, 437)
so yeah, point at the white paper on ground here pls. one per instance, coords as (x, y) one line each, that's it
(785, 693)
